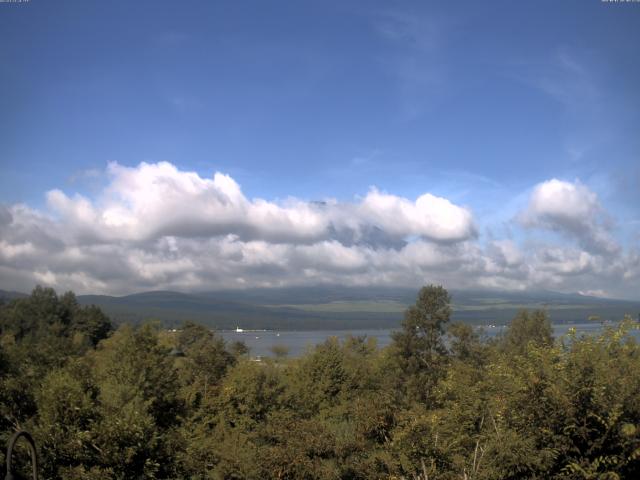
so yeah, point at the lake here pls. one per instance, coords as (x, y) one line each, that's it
(260, 342)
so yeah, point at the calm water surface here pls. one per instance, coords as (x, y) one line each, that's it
(260, 342)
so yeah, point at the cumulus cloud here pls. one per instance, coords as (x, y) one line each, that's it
(429, 216)
(156, 227)
(573, 210)
(156, 200)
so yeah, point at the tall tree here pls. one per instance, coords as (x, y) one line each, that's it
(528, 327)
(418, 349)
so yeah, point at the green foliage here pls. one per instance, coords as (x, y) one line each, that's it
(419, 352)
(206, 360)
(280, 351)
(439, 403)
(44, 314)
(526, 328)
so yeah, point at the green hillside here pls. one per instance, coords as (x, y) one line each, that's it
(319, 308)
(344, 308)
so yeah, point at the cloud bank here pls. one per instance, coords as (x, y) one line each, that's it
(156, 227)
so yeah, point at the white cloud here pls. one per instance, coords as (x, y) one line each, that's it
(429, 216)
(573, 210)
(156, 200)
(156, 227)
(506, 253)
(594, 293)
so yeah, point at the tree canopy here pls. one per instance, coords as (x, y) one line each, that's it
(441, 402)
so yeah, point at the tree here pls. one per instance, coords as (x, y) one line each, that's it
(280, 351)
(464, 342)
(205, 362)
(91, 322)
(322, 376)
(418, 349)
(139, 403)
(528, 328)
(67, 413)
(149, 404)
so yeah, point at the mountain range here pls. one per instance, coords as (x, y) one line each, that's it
(338, 307)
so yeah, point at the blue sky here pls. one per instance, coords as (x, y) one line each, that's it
(474, 102)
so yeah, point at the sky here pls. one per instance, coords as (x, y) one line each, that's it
(203, 145)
